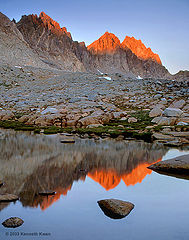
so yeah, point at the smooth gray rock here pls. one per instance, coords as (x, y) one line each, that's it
(178, 165)
(115, 208)
(155, 112)
(172, 112)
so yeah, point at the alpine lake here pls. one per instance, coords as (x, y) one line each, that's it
(82, 173)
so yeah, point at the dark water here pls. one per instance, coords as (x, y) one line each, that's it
(81, 174)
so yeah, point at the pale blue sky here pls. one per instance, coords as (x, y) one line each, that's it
(162, 25)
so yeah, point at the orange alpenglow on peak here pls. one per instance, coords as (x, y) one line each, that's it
(140, 50)
(49, 200)
(53, 25)
(109, 179)
(107, 43)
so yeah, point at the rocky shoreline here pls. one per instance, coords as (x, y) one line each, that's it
(94, 105)
(177, 167)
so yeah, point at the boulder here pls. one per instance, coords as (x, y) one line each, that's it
(67, 140)
(50, 110)
(132, 120)
(119, 114)
(178, 104)
(115, 208)
(186, 108)
(6, 115)
(24, 118)
(160, 136)
(156, 119)
(155, 112)
(89, 120)
(179, 165)
(179, 134)
(71, 123)
(13, 222)
(94, 125)
(164, 120)
(182, 124)
(8, 197)
(172, 112)
(183, 119)
(157, 96)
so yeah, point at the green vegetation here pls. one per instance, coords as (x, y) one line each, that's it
(112, 129)
(114, 132)
(17, 126)
(55, 130)
(143, 121)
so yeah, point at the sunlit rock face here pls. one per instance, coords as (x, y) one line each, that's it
(53, 44)
(53, 26)
(129, 56)
(34, 163)
(55, 47)
(107, 43)
(140, 50)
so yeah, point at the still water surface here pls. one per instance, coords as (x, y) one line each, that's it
(81, 174)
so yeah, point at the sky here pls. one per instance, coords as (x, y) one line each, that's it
(162, 25)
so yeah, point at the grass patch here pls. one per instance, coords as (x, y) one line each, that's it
(158, 128)
(55, 130)
(143, 121)
(17, 126)
(19, 114)
(109, 130)
(114, 132)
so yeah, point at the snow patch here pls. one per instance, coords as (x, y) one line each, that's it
(49, 110)
(100, 72)
(107, 78)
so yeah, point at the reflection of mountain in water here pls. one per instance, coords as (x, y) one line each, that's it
(33, 163)
(110, 179)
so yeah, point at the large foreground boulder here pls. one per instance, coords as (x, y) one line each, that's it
(115, 208)
(178, 165)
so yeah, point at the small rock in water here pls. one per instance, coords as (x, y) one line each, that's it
(13, 222)
(115, 208)
(68, 140)
(66, 134)
(8, 197)
(46, 193)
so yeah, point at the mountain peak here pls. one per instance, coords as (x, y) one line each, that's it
(107, 43)
(140, 50)
(52, 25)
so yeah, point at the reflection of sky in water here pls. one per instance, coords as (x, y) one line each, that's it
(172, 153)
